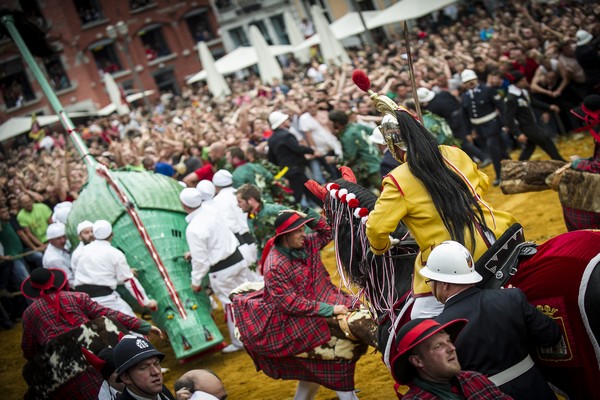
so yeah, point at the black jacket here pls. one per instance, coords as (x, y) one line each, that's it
(502, 326)
(519, 113)
(285, 151)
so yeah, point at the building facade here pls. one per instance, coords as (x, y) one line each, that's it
(143, 44)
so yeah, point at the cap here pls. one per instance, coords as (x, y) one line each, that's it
(206, 189)
(222, 178)
(190, 197)
(131, 351)
(55, 230)
(276, 118)
(102, 229)
(410, 336)
(84, 225)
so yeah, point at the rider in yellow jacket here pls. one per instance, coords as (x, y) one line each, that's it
(405, 198)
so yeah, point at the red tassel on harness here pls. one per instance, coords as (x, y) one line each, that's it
(360, 79)
(138, 294)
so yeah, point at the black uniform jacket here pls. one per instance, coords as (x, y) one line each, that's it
(502, 328)
(284, 149)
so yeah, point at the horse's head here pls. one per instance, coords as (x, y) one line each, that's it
(384, 278)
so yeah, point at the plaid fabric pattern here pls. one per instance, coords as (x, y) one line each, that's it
(334, 375)
(282, 319)
(579, 219)
(589, 164)
(41, 323)
(473, 385)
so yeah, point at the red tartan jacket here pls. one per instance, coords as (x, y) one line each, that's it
(282, 319)
(41, 323)
(473, 386)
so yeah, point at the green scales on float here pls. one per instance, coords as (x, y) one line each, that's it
(148, 221)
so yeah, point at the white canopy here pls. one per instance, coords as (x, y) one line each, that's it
(18, 125)
(268, 66)
(331, 48)
(136, 96)
(407, 9)
(238, 59)
(114, 93)
(296, 38)
(348, 25)
(216, 82)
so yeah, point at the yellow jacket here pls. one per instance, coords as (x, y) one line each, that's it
(405, 198)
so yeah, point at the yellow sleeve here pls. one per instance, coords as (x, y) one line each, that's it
(389, 209)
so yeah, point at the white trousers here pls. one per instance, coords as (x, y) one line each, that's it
(115, 302)
(426, 307)
(308, 390)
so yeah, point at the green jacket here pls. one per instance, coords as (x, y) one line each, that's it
(359, 153)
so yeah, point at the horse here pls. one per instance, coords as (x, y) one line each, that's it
(560, 277)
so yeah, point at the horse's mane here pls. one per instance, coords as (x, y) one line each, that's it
(383, 279)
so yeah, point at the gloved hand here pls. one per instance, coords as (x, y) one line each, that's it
(393, 241)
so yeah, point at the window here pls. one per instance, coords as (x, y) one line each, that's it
(56, 73)
(239, 38)
(106, 58)
(139, 4)
(224, 5)
(263, 29)
(89, 11)
(31, 9)
(154, 42)
(166, 82)
(279, 26)
(199, 25)
(14, 85)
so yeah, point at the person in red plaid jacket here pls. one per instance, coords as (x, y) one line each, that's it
(589, 112)
(424, 357)
(55, 312)
(288, 316)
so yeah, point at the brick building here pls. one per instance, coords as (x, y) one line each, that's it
(147, 44)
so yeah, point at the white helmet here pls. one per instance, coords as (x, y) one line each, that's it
(276, 118)
(468, 75)
(451, 262)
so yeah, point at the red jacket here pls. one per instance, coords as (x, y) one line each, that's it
(282, 319)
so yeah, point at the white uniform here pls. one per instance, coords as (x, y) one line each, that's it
(211, 241)
(101, 264)
(226, 205)
(59, 259)
(75, 256)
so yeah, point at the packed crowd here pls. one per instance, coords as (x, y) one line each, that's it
(474, 67)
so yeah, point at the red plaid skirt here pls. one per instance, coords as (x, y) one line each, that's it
(334, 375)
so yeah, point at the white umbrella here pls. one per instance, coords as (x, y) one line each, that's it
(331, 48)
(136, 96)
(268, 66)
(349, 25)
(215, 81)
(240, 58)
(296, 37)
(115, 94)
(408, 9)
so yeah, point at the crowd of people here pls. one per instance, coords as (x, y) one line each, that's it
(490, 80)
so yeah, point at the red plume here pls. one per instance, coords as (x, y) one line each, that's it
(93, 359)
(361, 80)
(347, 173)
(316, 189)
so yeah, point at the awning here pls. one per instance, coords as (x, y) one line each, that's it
(349, 25)
(407, 9)
(238, 59)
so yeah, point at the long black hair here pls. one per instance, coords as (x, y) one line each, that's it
(452, 198)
